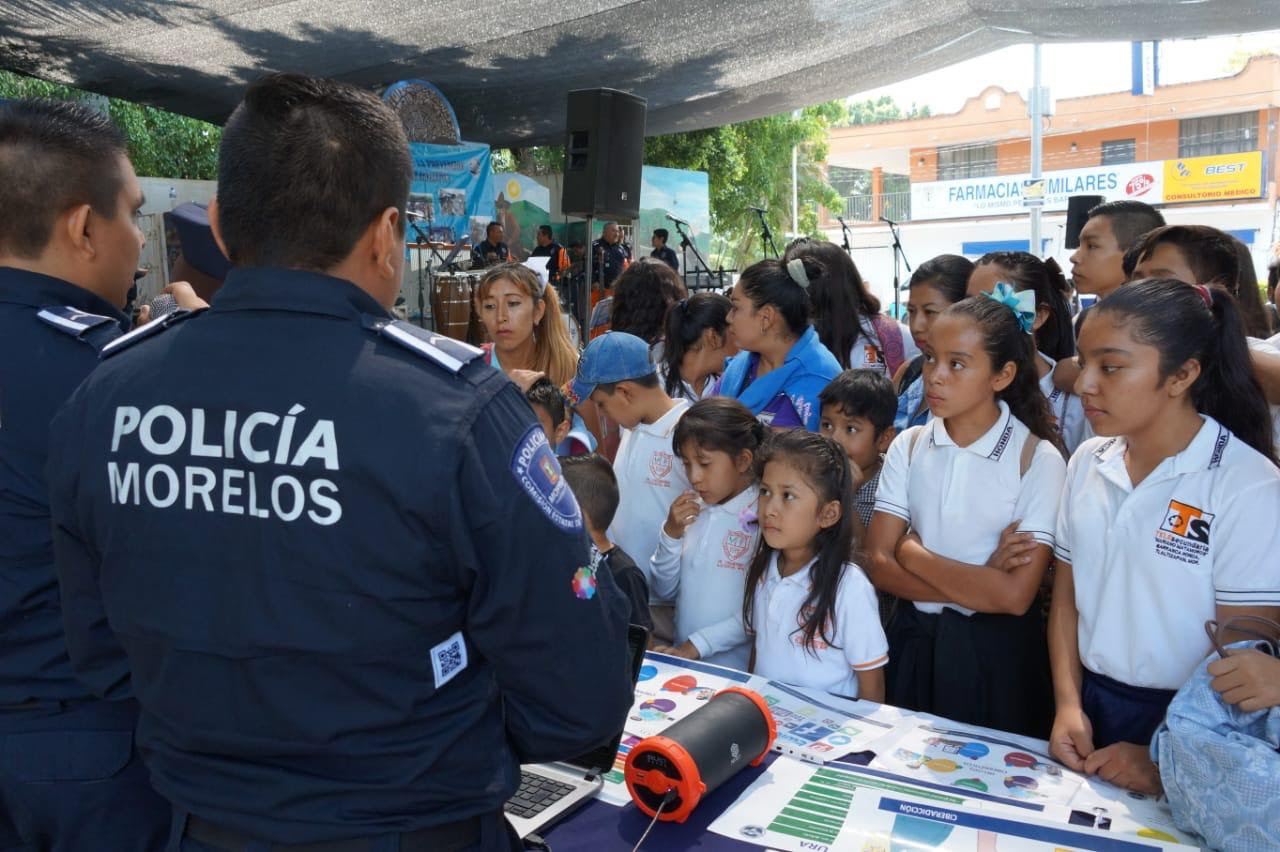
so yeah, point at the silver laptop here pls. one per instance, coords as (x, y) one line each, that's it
(550, 791)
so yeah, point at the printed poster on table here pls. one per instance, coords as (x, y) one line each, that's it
(801, 808)
(452, 192)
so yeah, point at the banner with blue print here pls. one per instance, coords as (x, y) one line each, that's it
(452, 191)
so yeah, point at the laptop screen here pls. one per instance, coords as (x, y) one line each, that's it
(601, 759)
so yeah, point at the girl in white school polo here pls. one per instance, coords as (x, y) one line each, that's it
(813, 613)
(963, 525)
(1168, 519)
(710, 533)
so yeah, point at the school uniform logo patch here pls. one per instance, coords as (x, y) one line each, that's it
(660, 466)
(1184, 532)
(534, 466)
(735, 546)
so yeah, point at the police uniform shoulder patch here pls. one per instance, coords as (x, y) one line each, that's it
(143, 332)
(534, 466)
(71, 321)
(451, 354)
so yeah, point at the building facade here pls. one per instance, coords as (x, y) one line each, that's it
(1202, 152)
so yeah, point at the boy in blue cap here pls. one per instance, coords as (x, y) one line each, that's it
(616, 375)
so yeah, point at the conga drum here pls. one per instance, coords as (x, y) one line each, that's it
(476, 333)
(451, 305)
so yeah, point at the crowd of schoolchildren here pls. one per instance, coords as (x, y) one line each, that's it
(1004, 512)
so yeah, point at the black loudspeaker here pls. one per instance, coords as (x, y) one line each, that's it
(1078, 207)
(603, 154)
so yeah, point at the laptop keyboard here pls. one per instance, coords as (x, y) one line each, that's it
(536, 794)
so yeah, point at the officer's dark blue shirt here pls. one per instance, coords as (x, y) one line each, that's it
(667, 255)
(486, 253)
(341, 559)
(50, 335)
(610, 260)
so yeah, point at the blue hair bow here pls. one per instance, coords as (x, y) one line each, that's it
(1023, 304)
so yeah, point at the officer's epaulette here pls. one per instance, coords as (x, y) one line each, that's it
(451, 354)
(71, 321)
(143, 332)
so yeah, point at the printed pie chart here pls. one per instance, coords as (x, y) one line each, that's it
(974, 751)
(662, 705)
(942, 765)
(1020, 782)
(681, 684)
(1020, 759)
(973, 784)
(648, 672)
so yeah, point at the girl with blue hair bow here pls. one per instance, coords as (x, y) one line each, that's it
(964, 523)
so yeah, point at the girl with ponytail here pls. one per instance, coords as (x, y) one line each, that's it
(696, 345)
(1168, 518)
(1052, 331)
(783, 365)
(963, 525)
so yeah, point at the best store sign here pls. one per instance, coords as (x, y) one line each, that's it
(1157, 182)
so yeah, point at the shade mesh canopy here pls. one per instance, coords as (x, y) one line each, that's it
(506, 66)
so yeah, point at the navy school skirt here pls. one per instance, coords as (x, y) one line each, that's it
(982, 669)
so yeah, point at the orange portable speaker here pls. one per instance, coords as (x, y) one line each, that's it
(675, 769)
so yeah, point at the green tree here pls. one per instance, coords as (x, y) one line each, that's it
(749, 165)
(878, 111)
(161, 143)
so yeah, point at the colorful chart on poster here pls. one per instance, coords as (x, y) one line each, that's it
(670, 689)
(797, 807)
(814, 730)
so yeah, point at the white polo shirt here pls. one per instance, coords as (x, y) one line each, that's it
(1068, 412)
(705, 572)
(1150, 563)
(1271, 346)
(959, 499)
(650, 477)
(859, 644)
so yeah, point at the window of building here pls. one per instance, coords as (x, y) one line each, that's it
(1119, 151)
(1218, 134)
(966, 161)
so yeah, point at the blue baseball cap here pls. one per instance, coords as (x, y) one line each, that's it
(191, 222)
(612, 357)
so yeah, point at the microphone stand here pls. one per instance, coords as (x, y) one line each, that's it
(766, 236)
(423, 268)
(898, 253)
(685, 245)
(844, 229)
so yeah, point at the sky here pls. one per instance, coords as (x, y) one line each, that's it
(1071, 70)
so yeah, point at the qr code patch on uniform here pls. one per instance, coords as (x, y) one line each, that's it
(448, 658)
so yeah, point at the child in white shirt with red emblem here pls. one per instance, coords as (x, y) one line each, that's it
(711, 533)
(616, 376)
(812, 612)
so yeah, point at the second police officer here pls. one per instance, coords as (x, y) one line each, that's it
(347, 574)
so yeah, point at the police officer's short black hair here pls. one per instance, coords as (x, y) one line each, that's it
(54, 155)
(661, 233)
(306, 164)
(595, 486)
(1129, 219)
(546, 231)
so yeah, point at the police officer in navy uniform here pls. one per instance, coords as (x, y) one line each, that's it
(351, 584)
(611, 255)
(70, 778)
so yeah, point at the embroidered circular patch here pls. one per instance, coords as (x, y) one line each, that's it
(584, 583)
(534, 466)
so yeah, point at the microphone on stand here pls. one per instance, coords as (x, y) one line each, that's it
(758, 209)
(888, 221)
(677, 221)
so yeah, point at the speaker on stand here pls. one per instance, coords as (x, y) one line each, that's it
(604, 156)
